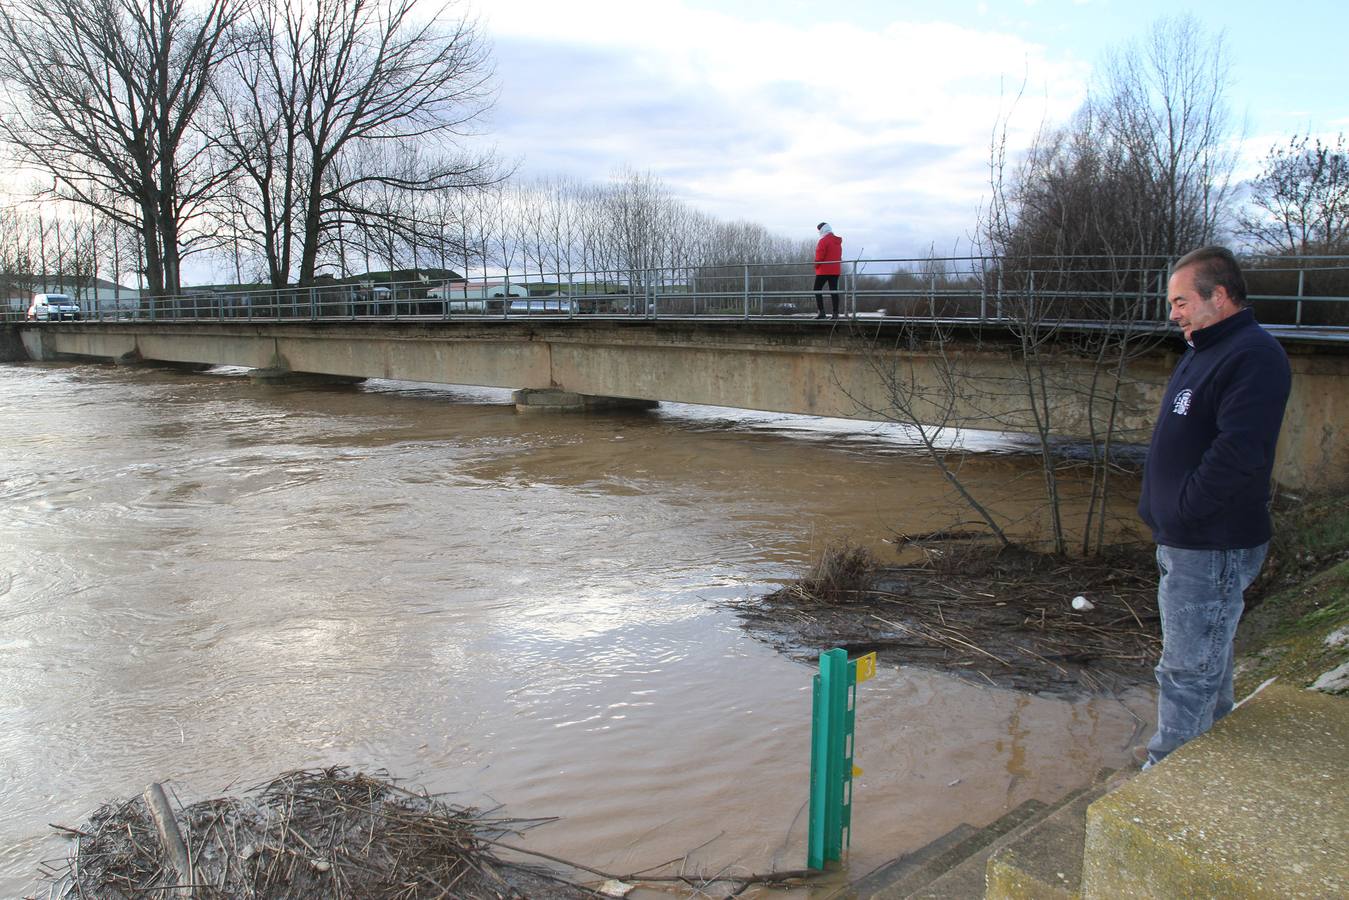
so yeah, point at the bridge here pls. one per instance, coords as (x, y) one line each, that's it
(958, 373)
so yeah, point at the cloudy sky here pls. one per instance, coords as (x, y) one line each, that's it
(875, 115)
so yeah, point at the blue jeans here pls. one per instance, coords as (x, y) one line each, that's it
(1200, 598)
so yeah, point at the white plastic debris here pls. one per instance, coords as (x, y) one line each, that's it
(1082, 604)
(615, 888)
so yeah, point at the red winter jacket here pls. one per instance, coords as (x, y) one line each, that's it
(829, 255)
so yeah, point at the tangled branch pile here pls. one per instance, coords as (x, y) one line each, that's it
(319, 833)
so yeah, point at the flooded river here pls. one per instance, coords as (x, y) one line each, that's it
(209, 581)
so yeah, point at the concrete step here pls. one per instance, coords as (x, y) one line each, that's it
(1255, 808)
(913, 869)
(968, 880)
(913, 873)
(1044, 860)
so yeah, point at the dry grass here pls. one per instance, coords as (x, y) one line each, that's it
(843, 574)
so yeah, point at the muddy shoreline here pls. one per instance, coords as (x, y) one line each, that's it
(1003, 616)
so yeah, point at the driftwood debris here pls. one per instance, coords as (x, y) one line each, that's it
(324, 833)
(170, 839)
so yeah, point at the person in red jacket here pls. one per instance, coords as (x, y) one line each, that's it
(828, 266)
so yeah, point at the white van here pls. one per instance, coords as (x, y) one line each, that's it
(53, 308)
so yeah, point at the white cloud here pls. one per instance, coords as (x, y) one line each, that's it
(883, 130)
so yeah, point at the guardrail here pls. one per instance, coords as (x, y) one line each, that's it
(1298, 292)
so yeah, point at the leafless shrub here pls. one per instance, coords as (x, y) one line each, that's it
(843, 574)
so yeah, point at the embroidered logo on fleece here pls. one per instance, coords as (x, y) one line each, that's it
(1181, 406)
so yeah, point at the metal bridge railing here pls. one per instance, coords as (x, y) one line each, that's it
(1298, 292)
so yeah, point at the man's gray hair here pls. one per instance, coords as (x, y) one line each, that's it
(1214, 266)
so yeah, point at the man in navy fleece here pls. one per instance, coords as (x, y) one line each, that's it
(1206, 488)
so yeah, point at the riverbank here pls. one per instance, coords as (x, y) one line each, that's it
(1296, 627)
(1037, 623)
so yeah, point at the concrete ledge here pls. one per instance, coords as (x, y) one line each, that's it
(1258, 807)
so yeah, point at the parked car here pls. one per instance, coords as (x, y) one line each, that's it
(53, 307)
(544, 305)
(470, 306)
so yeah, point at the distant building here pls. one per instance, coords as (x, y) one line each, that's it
(93, 295)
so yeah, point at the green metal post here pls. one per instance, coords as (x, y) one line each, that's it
(819, 752)
(831, 757)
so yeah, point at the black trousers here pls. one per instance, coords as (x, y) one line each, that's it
(822, 281)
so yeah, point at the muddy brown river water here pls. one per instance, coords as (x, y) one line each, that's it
(208, 581)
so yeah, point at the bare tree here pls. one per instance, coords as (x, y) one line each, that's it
(630, 231)
(258, 120)
(1142, 171)
(1163, 105)
(116, 246)
(325, 81)
(104, 97)
(17, 257)
(1299, 203)
(440, 212)
(1082, 227)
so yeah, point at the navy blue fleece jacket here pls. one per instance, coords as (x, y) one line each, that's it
(1206, 480)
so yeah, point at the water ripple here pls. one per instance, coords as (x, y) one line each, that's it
(212, 581)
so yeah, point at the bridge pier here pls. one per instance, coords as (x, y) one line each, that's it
(11, 345)
(553, 400)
